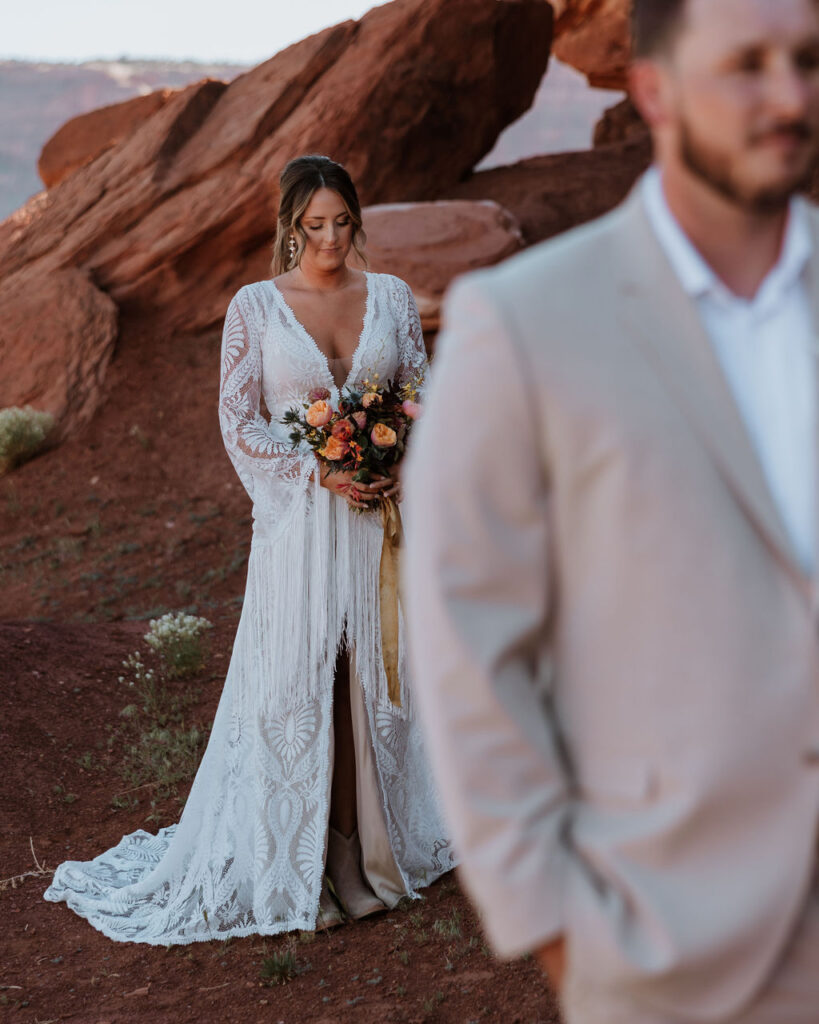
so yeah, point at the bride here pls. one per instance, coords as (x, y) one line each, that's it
(311, 770)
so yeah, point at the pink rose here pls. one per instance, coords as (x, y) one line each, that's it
(319, 414)
(360, 419)
(383, 436)
(319, 395)
(412, 409)
(343, 430)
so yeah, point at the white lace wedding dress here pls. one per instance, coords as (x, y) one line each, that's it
(247, 856)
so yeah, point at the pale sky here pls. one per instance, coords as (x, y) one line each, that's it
(230, 31)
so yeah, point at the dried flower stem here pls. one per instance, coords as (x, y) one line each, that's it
(41, 870)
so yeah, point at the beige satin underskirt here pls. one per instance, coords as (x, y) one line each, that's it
(378, 867)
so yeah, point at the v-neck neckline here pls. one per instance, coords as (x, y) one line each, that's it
(312, 341)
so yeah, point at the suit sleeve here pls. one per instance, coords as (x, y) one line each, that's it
(477, 576)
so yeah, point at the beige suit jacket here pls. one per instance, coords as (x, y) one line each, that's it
(615, 650)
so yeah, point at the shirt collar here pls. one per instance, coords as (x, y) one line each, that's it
(696, 275)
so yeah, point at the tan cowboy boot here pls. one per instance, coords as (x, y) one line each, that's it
(344, 868)
(329, 912)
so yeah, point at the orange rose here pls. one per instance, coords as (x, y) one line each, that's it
(371, 398)
(319, 414)
(383, 436)
(335, 450)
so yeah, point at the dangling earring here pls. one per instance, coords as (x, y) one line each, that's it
(291, 246)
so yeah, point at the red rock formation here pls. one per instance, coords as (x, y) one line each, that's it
(593, 36)
(56, 341)
(550, 194)
(428, 244)
(620, 123)
(83, 138)
(177, 215)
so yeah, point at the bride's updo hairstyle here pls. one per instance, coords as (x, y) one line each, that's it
(297, 183)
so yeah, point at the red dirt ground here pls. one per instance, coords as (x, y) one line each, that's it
(138, 514)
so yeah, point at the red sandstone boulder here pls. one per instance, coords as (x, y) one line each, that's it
(550, 194)
(620, 123)
(57, 336)
(83, 138)
(593, 36)
(428, 244)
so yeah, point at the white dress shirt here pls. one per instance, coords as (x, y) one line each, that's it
(767, 349)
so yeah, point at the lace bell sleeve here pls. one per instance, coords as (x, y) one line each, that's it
(273, 474)
(412, 353)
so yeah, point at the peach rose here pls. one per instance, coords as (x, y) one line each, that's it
(360, 419)
(319, 414)
(335, 450)
(412, 409)
(371, 398)
(343, 430)
(383, 436)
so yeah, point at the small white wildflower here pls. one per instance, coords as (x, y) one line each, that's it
(178, 639)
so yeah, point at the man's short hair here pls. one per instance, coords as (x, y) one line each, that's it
(654, 23)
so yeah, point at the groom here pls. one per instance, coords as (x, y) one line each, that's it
(613, 527)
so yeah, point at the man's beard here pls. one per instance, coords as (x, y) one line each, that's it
(715, 171)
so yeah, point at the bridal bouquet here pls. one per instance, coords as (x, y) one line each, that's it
(366, 433)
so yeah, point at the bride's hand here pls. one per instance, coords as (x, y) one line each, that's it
(357, 495)
(390, 486)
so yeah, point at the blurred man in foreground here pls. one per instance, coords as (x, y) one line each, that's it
(613, 530)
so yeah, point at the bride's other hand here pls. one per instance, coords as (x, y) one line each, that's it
(341, 482)
(388, 486)
(392, 487)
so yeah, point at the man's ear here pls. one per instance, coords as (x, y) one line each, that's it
(648, 87)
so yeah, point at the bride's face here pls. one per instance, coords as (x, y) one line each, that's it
(329, 231)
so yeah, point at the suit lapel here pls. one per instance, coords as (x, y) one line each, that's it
(665, 323)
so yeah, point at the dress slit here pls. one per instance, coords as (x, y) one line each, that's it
(378, 868)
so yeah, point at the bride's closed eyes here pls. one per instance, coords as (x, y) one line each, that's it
(317, 227)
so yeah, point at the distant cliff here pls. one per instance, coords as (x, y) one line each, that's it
(35, 99)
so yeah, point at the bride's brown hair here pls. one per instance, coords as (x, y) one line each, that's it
(299, 180)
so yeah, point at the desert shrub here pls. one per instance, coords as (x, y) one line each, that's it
(449, 926)
(161, 750)
(181, 642)
(23, 433)
(155, 700)
(279, 968)
(163, 757)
